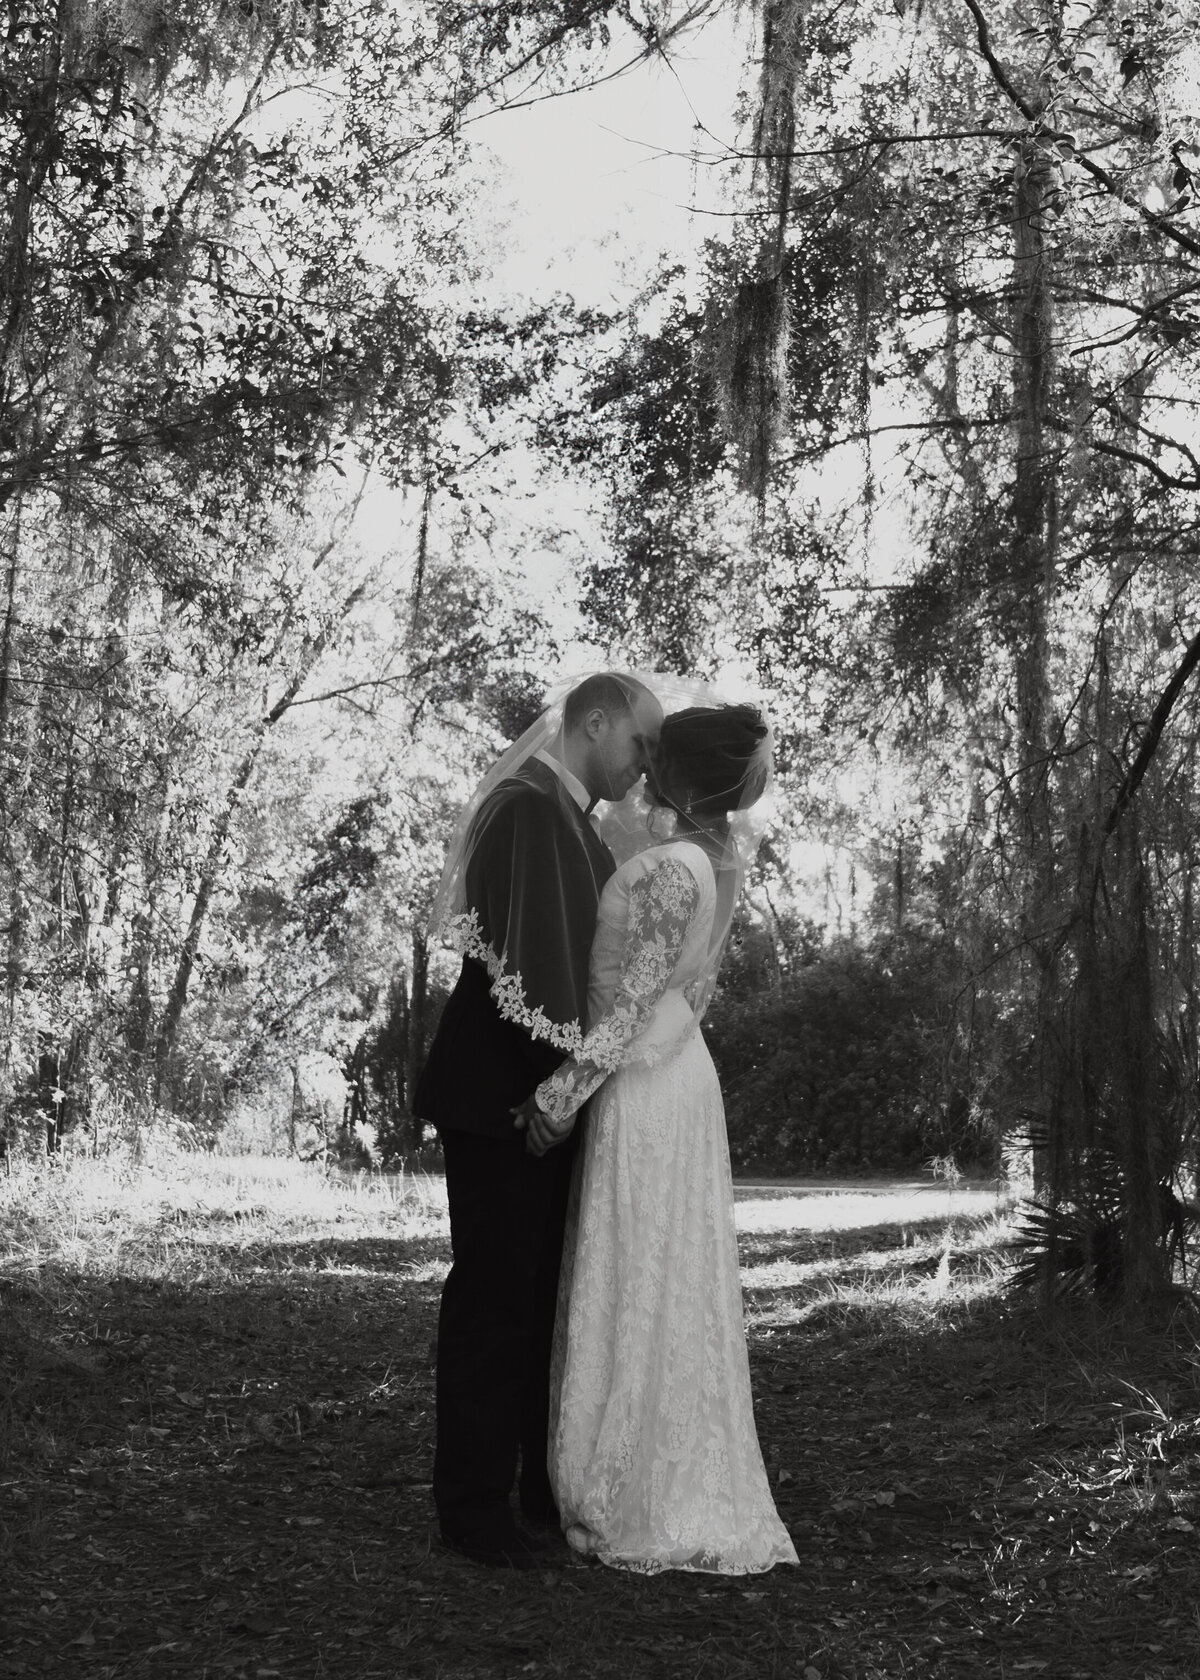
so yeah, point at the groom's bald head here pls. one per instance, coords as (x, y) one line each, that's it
(611, 724)
(608, 691)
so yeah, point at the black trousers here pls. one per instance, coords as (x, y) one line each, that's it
(507, 1216)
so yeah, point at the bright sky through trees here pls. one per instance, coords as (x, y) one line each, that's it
(600, 182)
(592, 189)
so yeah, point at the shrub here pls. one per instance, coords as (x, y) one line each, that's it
(838, 1068)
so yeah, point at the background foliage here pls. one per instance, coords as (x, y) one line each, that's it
(911, 446)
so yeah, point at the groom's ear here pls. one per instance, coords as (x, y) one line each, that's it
(594, 723)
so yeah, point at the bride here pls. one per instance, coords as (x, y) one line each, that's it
(653, 1452)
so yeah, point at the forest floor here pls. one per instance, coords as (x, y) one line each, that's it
(215, 1455)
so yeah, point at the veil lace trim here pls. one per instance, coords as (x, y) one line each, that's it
(464, 934)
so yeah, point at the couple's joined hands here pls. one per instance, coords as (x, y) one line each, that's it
(540, 1134)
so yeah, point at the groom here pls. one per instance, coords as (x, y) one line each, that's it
(534, 871)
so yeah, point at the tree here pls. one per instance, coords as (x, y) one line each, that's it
(964, 274)
(222, 287)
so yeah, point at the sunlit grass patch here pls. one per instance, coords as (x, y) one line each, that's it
(863, 1257)
(161, 1215)
(848, 1210)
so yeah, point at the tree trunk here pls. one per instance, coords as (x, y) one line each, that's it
(414, 1049)
(1035, 530)
(11, 867)
(1034, 524)
(1144, 1272)
(173, 1012)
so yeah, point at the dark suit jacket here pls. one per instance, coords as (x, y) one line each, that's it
(534, 880)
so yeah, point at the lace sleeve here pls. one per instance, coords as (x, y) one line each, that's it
(661, 906)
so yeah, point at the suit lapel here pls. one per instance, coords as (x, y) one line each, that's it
(602, 862)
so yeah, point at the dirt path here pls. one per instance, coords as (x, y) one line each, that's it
(239, 1487)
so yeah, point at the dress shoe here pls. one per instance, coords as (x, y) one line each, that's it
(542, 1519)
(513, 1550)
(548, 1538)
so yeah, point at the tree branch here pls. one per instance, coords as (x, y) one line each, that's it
(863, 434)
(1000, 75)
(1158, 722)
(1169, 481)
(1033, 114)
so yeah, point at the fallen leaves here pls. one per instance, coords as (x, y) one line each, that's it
(245, 1507)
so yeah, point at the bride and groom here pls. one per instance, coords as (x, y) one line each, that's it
(591, 1349)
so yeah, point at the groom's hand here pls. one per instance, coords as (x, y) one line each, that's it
(521, 1115)
(540, 1134)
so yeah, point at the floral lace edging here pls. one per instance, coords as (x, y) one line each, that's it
(611, 1044)
(607, 1052)
(464, 934)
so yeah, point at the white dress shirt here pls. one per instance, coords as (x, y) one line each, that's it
(569, 780)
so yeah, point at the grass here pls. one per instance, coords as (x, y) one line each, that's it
(217, 1421)
(107, 1214)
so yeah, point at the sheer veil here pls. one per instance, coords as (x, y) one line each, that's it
(450, 900)
(628, 826)
(519, 889)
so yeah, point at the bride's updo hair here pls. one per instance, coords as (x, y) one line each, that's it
(718, 755)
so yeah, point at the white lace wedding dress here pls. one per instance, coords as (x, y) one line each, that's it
(654, 1456)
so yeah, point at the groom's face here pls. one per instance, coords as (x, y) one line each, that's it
(626, 745)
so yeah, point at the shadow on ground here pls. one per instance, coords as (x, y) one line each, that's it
(227, 1474)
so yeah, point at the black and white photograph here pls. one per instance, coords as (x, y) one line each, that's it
(599, 839)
